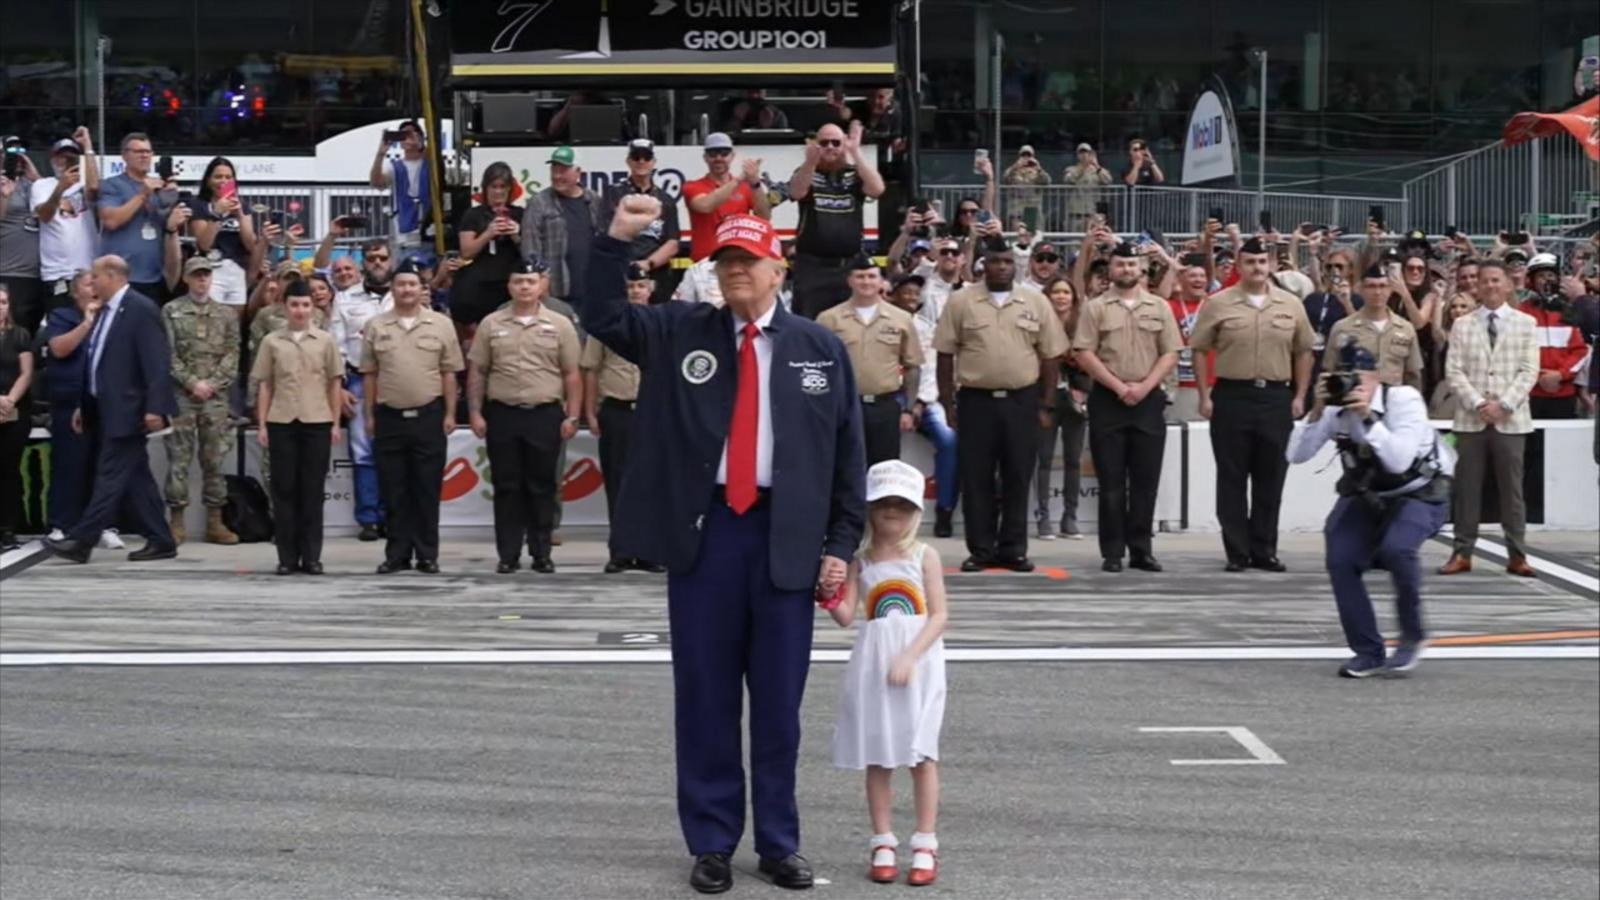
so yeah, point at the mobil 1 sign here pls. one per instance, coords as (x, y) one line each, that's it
(1210, 146)
(675, 165)
(752, 25)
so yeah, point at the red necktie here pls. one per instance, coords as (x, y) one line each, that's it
(741, 488)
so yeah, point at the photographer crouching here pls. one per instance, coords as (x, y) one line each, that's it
(1394, 495)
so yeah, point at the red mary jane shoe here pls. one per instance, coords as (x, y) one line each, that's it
(887, 873)
(921, 877)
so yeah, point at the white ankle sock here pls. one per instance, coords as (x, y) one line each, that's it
(887, 839)
(924, 840)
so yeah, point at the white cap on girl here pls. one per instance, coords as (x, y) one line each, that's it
(893, 478)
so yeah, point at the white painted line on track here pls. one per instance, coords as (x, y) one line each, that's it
(1581, 580)
(20, 555)
(552, 657)
(1260, 753)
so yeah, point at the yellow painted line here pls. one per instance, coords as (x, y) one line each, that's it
(695, 68)
(1479, 640)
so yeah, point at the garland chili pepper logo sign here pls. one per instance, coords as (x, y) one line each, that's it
(581, 479)
(459, 480)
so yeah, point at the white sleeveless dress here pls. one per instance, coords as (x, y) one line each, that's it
(878, 724)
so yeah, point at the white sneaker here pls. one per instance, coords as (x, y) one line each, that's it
(57, 534)
(109, 540)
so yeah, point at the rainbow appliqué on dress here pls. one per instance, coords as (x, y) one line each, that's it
(895, 597)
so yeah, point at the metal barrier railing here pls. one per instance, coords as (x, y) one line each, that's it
(1065, 208)
(314, 206)
(1539, 186)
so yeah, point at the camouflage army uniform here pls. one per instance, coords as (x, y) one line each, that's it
(205, 347)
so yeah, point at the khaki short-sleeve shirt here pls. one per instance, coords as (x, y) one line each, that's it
(410, 362)
(618, 378)
(880, 350)
(998, 348)
(1128, 341)
(1253, 343)
(1395, 348)
(525, 361)
(298, 371)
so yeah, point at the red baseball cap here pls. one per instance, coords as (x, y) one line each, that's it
(750, 233)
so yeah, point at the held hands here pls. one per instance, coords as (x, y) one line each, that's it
(831, 574)
(634, 214)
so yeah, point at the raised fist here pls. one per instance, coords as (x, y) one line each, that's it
(634, 214)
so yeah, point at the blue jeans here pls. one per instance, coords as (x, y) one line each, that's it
(1355, 537)
(936, 429)
(369, 501)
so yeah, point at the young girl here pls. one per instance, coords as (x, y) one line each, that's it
(892, 702)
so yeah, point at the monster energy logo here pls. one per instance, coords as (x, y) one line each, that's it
(35, 474)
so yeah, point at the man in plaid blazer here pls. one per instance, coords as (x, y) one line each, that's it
(1492, 364)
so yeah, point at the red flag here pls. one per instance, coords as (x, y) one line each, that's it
(1578, 121)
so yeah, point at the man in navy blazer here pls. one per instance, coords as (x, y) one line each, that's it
(127, 394)
(750, 489)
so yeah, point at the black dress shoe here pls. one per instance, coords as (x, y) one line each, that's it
(711, 873)
(1111, 565)
(69, 549)
(544, 566)
(614, 566)
(1233, 566)
(942, 526)
(311, 568)
(368, 533)
(974, 564)
(792, 872)
(1145, 563)
(391, 566)
(1270, 564)
(284, 570)
(150, 552)
(428, 566)
(8, 541)
(1020, 564)
(652, 568)
(505, 568)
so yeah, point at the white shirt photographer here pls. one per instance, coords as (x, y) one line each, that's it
(1399, 431)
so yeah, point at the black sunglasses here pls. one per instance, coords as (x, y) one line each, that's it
(1047, 257)
(719, 152)
(831, 143)
(377, 257)
(949, 252)
(967, 211)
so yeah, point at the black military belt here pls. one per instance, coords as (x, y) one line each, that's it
(880, 398)
(616, 403)
(414, 411)
(996, 394)
(518, 406)
(720, 495)
(1252, 382)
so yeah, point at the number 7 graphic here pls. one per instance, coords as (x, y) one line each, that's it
(506, 40)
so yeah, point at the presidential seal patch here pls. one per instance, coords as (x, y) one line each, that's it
(813, 381)
(699, 366)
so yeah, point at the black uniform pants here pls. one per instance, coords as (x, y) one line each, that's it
(298, 454)
(524, 444)
(410, 452)
(1249, 433)
(1127, 444)
(819, 283)
(997, 433)
(880, 425)
(616, 419)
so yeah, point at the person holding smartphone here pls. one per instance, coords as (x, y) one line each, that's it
(224, 232)
(408, 181)
(491, 235)
(133, 216)
(64, 205)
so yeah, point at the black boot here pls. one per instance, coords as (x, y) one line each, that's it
(942, 526)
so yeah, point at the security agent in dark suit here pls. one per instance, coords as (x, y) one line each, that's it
(752, 494)
(127, 394)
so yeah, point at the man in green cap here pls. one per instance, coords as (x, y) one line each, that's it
(559, 224)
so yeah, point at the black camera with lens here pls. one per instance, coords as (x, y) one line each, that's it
(1337, 387)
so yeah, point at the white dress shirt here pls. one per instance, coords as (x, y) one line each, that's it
(764, 417)
(352, 310)
(1398, 436)
(100, 336)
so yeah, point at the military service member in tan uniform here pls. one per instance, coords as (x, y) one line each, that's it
(999, 342)
(886, 355)
(409, 360)
(205, 359)
(1390, 339)
(524, 360)
(1263, 341)
(610, 393)
(1128, 341)
(299, 374)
